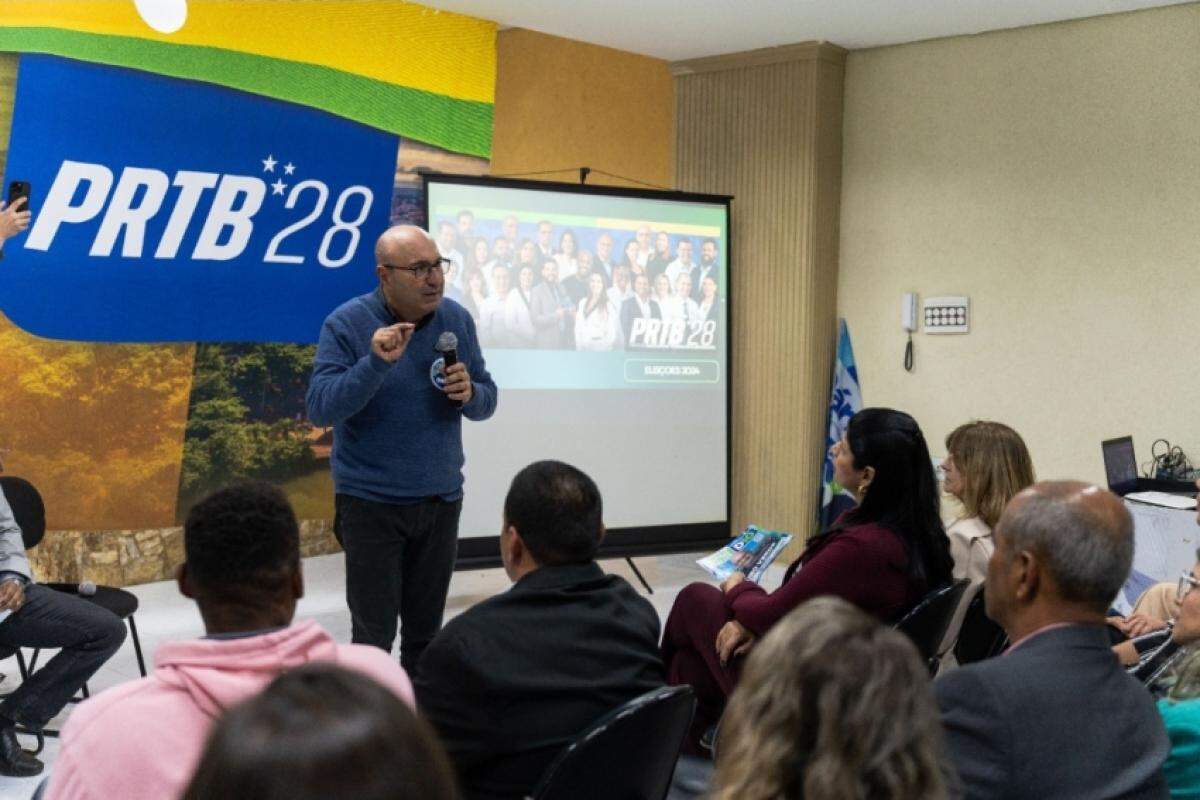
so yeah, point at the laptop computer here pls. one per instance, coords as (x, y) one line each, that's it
(1120, 467)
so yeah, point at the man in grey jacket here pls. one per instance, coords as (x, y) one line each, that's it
(551, 310)
(34, 616)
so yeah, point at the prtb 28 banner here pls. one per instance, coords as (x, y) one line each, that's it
(172, 210)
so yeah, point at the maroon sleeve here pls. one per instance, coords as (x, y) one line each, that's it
(859, 565)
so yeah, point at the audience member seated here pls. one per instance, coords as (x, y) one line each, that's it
(41, 617)
(1055, 716)
(831, 705)
(1153, 612)
(320, 732)
(142, 739)
(513, 679)
(1154, 656)
(986, 465)
(883, 556)
(1180, 710)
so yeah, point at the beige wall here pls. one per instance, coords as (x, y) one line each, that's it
(1053, 175)
(562, 104)
(766, 128)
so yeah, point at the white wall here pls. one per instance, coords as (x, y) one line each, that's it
(1053, 174)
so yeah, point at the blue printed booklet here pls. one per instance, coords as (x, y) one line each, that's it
(750, 552)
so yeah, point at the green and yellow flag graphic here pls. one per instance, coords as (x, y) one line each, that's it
(397, 66)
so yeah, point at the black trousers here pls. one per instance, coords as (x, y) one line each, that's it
(87, 634)
(399, 559)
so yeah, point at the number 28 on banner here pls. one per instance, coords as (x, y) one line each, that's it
(81, 193)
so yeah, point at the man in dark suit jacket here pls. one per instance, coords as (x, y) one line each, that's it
(640, 306)
(1055, 716)
(513, 680)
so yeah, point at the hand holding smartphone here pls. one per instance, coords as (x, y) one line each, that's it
(16, 215)
(18, 190)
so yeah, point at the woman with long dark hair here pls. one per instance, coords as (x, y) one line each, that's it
(883, 556)
(597, 322)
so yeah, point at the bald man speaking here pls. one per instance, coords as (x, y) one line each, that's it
(396, 413)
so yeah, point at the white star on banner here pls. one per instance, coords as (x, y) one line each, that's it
(278, 186)
(289, 168)
(269, 163)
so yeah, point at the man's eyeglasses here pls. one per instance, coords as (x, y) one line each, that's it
(1186, 584)
(421, 271)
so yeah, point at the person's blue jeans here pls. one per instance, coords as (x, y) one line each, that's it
(87, 634)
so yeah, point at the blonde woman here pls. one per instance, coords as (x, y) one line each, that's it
(832, 705)
(986, 465)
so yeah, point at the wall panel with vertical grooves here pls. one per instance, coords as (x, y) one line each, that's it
(765, 127)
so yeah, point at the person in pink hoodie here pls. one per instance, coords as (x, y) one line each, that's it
(143, 739)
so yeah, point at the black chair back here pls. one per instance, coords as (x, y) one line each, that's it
(979, 637)
(27, 506)
(629, 754)
(927, 622)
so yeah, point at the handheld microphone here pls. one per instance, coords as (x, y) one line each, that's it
(447, 345)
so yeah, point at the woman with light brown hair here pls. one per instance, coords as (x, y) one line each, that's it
(832, 705)
(986, 465)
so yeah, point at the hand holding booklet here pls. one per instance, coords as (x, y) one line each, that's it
(751, 553)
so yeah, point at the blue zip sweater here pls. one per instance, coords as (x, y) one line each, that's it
(397, 438)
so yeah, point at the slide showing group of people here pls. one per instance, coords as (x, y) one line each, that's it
(541, 285)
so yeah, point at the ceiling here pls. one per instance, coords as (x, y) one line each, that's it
(682, 29)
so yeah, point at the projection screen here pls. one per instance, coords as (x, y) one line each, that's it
(604, 319)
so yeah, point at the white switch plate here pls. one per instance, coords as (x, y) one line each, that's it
(947, 314)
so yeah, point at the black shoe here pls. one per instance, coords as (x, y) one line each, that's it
(15, 762)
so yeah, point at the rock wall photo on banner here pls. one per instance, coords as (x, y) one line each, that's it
(158, 320)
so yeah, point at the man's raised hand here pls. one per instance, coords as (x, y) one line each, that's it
(389, 343)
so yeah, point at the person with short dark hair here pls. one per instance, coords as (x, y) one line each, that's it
(1055, 715)
(465, 225)
(640, 306)
(576, 285)
(683, 265)
(512, 680)
(318, 732)
(551, 311)
(141, 740)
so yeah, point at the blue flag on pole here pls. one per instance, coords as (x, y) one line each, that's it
(845, 400)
